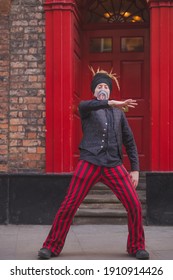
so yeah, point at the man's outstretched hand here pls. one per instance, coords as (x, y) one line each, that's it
(123, 105)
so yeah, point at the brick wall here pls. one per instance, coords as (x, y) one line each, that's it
(4, 91)
(22, 88)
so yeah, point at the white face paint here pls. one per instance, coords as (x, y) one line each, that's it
(102, 92)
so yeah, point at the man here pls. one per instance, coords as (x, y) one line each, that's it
(105, 130)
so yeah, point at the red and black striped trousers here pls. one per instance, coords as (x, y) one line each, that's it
(85, 176)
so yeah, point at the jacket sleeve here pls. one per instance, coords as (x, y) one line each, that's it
(85, 107)
(130, 144)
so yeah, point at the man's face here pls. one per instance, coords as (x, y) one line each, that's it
(102, 92)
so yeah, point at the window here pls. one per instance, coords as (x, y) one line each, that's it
(100, 45)
(132, 44)
(132, 11)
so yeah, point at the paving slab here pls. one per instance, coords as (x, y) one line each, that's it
(84, 242)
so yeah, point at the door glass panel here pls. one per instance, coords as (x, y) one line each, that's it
(132, 44)
(100, 45)
(132, 11)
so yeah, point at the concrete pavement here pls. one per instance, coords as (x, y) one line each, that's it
(84, 242)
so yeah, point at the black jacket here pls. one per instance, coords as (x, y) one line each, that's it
(94, 125)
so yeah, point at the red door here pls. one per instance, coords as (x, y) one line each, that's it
(127, 52)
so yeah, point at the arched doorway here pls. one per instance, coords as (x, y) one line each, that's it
(115, 35)
(97, 33)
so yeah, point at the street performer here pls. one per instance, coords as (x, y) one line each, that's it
(105, 130)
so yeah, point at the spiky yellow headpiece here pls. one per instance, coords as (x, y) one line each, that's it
(111, 75)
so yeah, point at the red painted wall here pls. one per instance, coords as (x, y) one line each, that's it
(161, 85)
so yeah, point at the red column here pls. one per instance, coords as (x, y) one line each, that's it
(59, 84)
(161, 85)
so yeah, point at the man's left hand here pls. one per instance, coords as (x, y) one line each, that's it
(134, 175)
(123, 105)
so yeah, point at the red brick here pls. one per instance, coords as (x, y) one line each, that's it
(22, 88)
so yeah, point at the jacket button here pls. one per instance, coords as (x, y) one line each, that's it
(101, 146)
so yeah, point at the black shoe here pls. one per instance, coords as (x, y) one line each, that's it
(142, 255)
(45, 253)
